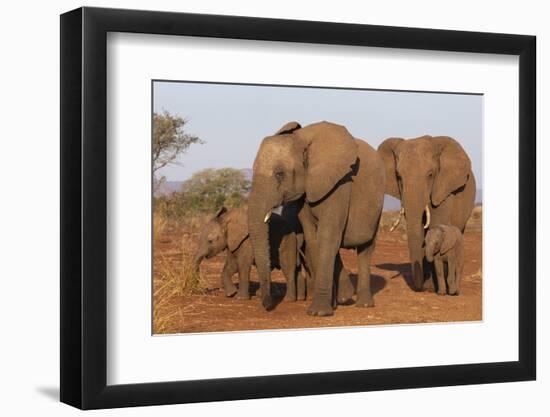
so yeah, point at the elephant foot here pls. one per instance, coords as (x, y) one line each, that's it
(301, 291)
(441, 292)
(364, 300)
(418, 286)
(267, 302)
(242, 295)
(320, 308)
(345, 292)
(290, 297)
(230, 291)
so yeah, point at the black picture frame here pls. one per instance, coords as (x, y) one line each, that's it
(84, 207)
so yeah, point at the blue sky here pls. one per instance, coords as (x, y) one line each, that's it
(233, 119)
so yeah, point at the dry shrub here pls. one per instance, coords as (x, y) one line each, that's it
(387, 220)
(163, 224)
(193, 224)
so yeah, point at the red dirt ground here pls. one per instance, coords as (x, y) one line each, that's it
(395, 302)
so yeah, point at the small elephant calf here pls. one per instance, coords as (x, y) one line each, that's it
(445, 244)
(229, 230)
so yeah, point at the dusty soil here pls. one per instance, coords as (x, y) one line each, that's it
(395, 301)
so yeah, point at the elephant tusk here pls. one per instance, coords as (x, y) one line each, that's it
(267, 216)
(428, 217)
(401, 213)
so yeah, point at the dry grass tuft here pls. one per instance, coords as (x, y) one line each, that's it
(160, 224)
(173, 278)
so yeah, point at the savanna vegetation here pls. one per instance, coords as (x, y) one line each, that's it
(182, 213)
(202, 195)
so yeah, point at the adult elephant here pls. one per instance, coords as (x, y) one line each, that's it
(341, 181)
(433, 178)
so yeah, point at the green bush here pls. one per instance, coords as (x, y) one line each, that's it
(205, 193)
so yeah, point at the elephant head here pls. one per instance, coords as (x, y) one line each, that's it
(438, 242)
(423, 173)
(296, 162)
(226, 230)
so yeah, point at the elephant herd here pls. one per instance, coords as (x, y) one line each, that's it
(331, 188)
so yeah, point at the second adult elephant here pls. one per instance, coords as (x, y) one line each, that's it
(341, 181)
(433, 178)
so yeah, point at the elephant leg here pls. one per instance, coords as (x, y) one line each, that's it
(345, 286)
(310, 230)
(244, 279)
(229, 269)
(290, 285)
(289, 271)
(452, 277)
(429, 276)
(309, 276)
(288, 258)
(326, 252)
(324, 279)
(308, 281)
(364, 293)
(459, 275)
(440, 272)
(301, 285)
(331, 215)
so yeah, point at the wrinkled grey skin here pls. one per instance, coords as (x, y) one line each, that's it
(428, 171)
(445, 245)
(340, 181)
(228, 231)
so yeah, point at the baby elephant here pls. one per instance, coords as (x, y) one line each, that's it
(229, 230)
(445, 244)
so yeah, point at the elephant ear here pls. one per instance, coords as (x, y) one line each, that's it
(449, 240)
(288, 128)
(389, 150)
(330, 154)
(454, 169)
(236, 228)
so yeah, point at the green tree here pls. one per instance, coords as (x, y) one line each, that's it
(169, 139)
(210, 189)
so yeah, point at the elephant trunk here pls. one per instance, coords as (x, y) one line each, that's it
(197, 261)
(415, 208)
(415, 237)
(429, 253)
(259, 209)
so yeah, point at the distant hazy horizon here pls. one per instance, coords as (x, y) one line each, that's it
(233, 119)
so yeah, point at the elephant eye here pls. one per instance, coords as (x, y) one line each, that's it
(280, 175)
(430, 174)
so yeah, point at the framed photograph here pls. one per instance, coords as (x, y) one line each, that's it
(257, 208)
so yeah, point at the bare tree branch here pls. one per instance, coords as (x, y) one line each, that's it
(169, 139)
